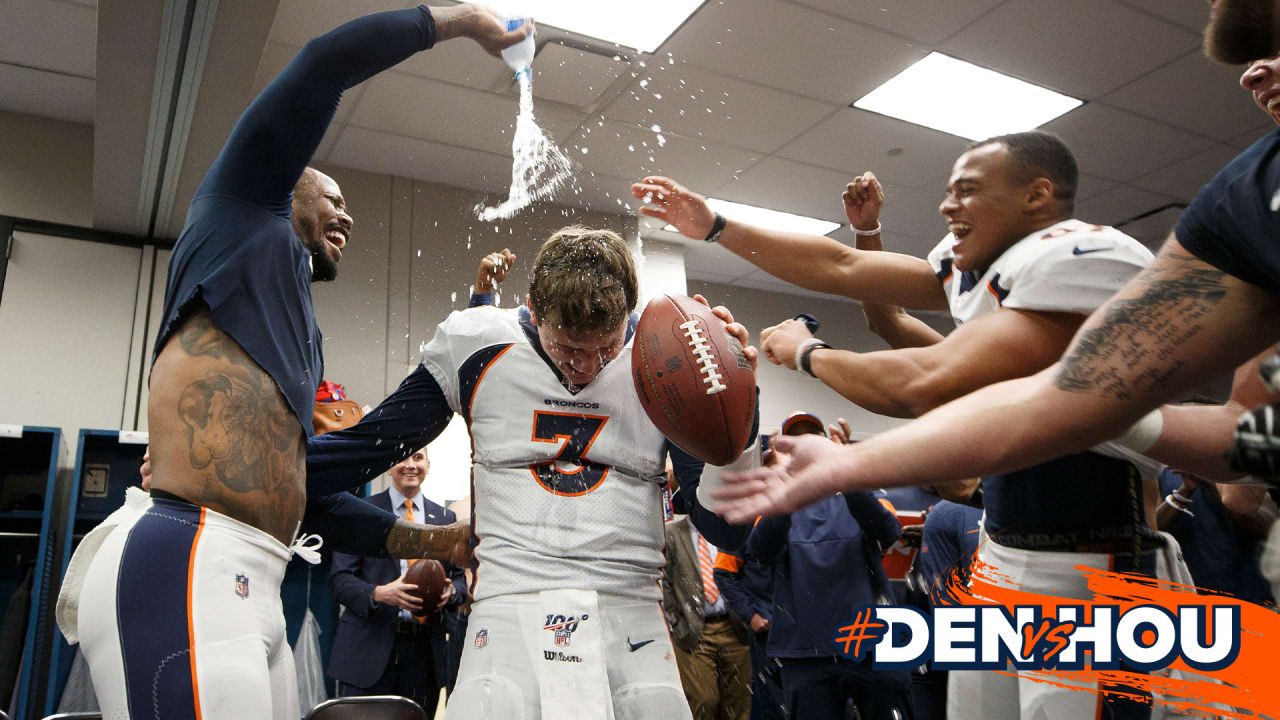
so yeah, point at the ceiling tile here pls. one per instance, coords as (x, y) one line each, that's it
(826, 57)
(1190, 14)
(789, 186)
(1222, 109)
(1088, 186)
(1119, 145)
(417, 107)
(1245, 139)
(364, 149)
(1103, 45)
(1118, 204)
(62, 37)
(1184, 178)
(698, 103)
(46, 94)
(573, 77)
(855, 141)
(1153, 230)
(460, 62)
(624, 150)
(928, 21)
(298, 21)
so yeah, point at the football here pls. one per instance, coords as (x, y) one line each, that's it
(430, 578)
(694, 381)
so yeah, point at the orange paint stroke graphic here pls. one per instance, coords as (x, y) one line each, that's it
(1248, 688)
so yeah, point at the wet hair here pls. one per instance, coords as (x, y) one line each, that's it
(1039, 154)
(584, 281)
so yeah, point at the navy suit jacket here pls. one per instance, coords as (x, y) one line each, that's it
(366, 633)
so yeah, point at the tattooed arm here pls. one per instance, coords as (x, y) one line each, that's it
(354, 526)
(1177, 324)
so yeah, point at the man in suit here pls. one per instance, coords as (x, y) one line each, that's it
(710, 641)
(381, 648)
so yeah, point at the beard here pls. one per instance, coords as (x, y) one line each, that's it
(323, 267)
(1241, 31)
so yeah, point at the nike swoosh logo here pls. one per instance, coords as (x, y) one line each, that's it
(1077, 251)
(636, 646)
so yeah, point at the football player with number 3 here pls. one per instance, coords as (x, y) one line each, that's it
(567, 500)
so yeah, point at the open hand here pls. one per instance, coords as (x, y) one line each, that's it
(676, 205)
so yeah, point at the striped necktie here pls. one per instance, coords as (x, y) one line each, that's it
(709, 588)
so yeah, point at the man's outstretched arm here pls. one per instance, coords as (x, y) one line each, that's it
(277, 135)
(354, 526)
(1178, 323)
(909, 382)
(813, 262)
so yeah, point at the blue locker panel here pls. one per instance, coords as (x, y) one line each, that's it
(28, 482)
(107, 463)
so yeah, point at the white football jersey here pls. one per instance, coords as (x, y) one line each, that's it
(1073, 266)
(566, 487)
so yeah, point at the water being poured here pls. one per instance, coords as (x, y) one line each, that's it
(538, 167)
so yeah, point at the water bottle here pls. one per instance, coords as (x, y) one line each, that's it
(519, 57)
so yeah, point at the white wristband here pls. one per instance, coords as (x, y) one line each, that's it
(802, 347)
(1144, 433)
(1168, 500)
(865, 233)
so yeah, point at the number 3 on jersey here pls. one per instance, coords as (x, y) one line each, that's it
(576, 433)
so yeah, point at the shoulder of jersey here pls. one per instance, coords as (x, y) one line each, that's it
(485, 325)
(1085, 241)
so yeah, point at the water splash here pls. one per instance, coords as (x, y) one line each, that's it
(538, 167)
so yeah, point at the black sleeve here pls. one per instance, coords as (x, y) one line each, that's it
(739, 600)
(877, 523)
(408, 419)
(350, 589)
(348, 524)
(276, 136)
(769, 539)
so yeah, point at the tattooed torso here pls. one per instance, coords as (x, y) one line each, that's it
(222, 435)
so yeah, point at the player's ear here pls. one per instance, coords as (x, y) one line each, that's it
(533, 318)
(1039, 194)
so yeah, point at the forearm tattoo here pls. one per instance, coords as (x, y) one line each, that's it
(438, 542)
(1131, 350)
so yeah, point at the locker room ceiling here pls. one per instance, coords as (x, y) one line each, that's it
(752, 97)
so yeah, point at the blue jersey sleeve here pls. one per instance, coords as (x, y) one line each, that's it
(408, 419)
(276, 136)
(348, 524)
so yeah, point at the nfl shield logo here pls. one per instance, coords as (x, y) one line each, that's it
(482, 638)
(562, 635)
(242, 586)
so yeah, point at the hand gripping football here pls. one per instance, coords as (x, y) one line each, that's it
(431, 579)
(694, 381)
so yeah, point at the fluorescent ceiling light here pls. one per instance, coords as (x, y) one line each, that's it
(978, 104)
(640, 26)
(767, 219)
